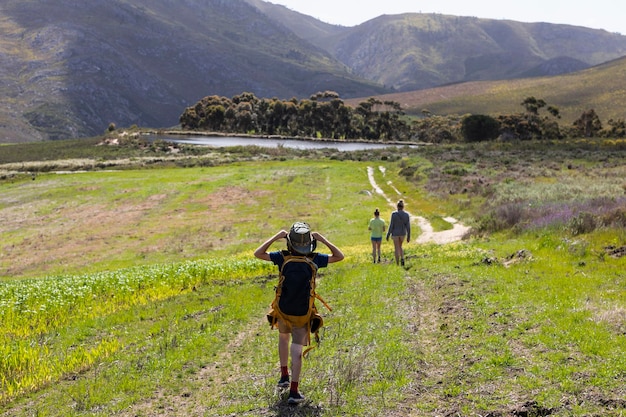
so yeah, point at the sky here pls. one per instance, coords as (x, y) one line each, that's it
(597, 14)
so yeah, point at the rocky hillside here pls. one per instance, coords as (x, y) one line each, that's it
(69, 68)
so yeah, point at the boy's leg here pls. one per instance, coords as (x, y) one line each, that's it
(296, 362)
(283, 348)
(300, 337)
(283, 355)
(284, 334)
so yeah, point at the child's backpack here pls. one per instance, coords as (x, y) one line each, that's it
(294, 301)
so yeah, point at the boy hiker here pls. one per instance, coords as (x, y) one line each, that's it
(303, 262)
(377, 227)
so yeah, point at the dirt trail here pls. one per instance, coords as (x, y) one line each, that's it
(428, 234)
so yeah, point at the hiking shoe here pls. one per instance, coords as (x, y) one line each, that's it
(295, 398)
(284, 382)
(402, 262)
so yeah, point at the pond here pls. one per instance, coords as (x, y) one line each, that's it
(227, 141)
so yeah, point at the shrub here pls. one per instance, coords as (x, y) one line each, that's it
(582, 223)
(480, 127)
(510, 214)
(614, 218)
(576, 217)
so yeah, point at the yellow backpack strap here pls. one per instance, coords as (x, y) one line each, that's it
(311, 347)
(319, 297)
(307, 350)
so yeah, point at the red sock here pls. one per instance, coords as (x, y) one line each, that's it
(284, 371)
(294, 386)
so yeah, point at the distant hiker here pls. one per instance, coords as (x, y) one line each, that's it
(298, 267)
(377, 227)
(399, 228)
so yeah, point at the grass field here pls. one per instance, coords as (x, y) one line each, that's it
(135, 292)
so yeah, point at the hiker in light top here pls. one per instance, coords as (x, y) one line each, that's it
(377, 226)
(399, 228)
(300, 242)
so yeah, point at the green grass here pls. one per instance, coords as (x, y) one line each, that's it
(167, 314)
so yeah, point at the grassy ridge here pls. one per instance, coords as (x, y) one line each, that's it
(598, 88)
(530, 322)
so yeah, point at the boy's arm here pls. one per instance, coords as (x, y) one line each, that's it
(261, 251)
(336, 253)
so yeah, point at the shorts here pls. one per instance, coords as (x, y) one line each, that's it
(377, 239)
(299, 335)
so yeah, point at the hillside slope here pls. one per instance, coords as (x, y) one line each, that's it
(70, 68)
(600, 88)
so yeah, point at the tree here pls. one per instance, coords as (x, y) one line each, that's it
(323, 114)
(554, 111)
(325, 96)
(479, 127)
(588, 124)
(617, 130)
(436, 129)
(530, 124)
(532, 105)
(214, 117)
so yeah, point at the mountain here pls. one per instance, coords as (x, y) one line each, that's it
(305, 27)
(69, 68)
(414, 51)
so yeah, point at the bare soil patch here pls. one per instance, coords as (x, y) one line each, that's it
(64, 237)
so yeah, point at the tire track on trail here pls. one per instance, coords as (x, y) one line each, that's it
(210, 387)
(423, 311)
(428, 235)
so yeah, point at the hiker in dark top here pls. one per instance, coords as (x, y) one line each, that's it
(399, 228)
(300, 242)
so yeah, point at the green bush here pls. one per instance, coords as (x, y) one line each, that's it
(583, 223)
(479, 127)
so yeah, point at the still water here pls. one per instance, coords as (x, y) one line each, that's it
(225, 141)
